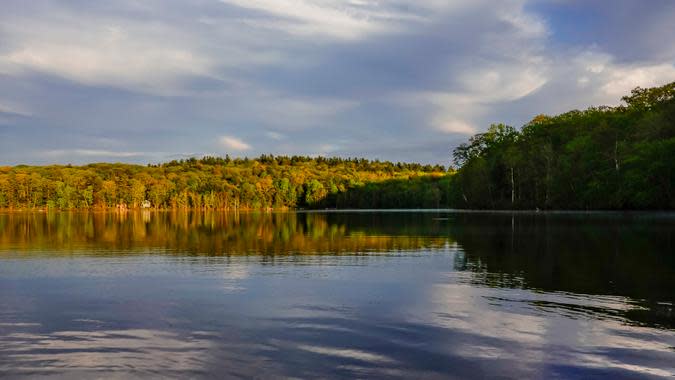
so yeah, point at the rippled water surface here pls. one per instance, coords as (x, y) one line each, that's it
(337, 295)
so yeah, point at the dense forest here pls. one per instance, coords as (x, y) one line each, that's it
(224, 183)
(602, 158)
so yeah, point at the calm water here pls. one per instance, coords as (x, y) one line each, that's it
(337, 295)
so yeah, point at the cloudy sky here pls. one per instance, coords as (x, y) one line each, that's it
(148, 81)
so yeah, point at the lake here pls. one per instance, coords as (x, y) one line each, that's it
(434, 294)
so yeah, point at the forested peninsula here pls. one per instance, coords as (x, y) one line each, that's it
(607, 158)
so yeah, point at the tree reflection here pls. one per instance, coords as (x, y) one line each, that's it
(624, 255)
(628, 255)
(215, 233)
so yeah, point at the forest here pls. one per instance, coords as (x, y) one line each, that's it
(223, 183)
(606, 158)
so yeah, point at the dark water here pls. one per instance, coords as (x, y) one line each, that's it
(337, 295)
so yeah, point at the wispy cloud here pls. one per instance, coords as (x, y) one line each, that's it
(234, 143)
(328, 18)
(100, 51)
(12, 109)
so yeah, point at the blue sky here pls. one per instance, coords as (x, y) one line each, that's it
(149, 81)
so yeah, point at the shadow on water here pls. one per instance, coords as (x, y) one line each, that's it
(628, 255)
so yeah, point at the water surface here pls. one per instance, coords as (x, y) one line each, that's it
(435, 294)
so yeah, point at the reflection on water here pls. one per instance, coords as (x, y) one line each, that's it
(109, 350)
(603, 254)
(413, 295)
(216, 233)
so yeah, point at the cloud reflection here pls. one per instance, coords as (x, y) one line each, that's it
(347, 353)
(534, 329)
(132, 350)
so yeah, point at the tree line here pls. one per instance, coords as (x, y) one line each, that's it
(602, 158)
(225, 183)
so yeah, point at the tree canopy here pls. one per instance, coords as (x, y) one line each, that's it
(602, 158)
(225, 183)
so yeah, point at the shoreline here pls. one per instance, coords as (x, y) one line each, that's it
(337, 211)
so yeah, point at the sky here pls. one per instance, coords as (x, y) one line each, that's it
(403, 80)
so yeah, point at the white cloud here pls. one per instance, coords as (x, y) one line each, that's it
(140, 66)
(144, 56)
(624, 78)
(453, 126)
(307, 17)
(328, 18)
(507, 82)
(503, 62)
(234, 143)
(153, 56)
(463, 111)
(601, 80)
